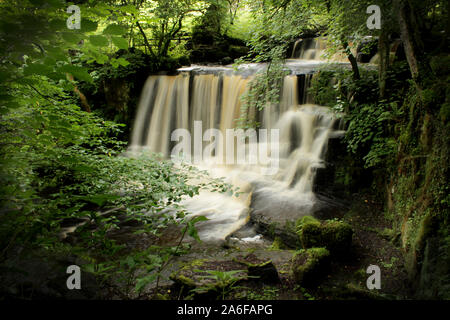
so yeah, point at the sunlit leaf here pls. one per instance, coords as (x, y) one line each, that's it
(120, 42)
(99, 41)
(114, 29)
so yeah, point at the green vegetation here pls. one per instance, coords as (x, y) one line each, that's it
(223, 283)
(334, 235)
(61, 164)
(397, 114)
(310, 265)
(68, 96)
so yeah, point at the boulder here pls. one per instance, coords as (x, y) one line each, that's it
(308, 266)
(334, 235)
(275, 216)
(209, 279)
(259, 269)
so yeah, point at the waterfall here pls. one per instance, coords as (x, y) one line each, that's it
(309, 49)
(314, 49)
(212, 100)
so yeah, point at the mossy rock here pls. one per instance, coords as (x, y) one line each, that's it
(336, 236)
(310, 265)
(160, 296)
(278, 244)
(197, 277)
(261, 270)
(352, 291)
(281, 229)
(186, 276)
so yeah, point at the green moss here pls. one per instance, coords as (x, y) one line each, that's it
(306, 220)
(290, 226)
(183, 280)
(197, 262)
(333, 235)
(444, 112)
(271, 230)
(277, 244)
(179, 276)
(310, 265)
(360, 274)
(160, 296)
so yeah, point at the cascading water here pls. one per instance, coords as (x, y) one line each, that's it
(309, 49)
(315, 49)
(213, 96)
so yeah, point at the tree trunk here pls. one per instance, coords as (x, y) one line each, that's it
(353, 62)
(412, 43)
(147, 44)
(80, 94)
(384, 53)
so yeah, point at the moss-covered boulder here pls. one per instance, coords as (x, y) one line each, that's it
(209, 279)
(334, 235)
(259, 269)
(310, 265)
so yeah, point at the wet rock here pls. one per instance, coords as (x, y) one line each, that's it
(262, 270)
(334, 235)
(310, 265)
(275, 216)
(284, 231)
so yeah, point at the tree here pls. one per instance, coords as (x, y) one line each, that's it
(412, 42)
(59, 163)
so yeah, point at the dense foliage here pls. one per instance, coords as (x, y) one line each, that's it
(397, 115)
(62, 160)
(62, 165)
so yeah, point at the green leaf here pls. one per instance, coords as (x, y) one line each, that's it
(130, 262)
(120, 42)
(142, 282)
(119, 62)
(192, 231)
(123, 62)
(37, 68)
(198, 219)
(57, 24)
(114, 63)
(98, 57)
(56, 53)
(84, 168)
(78, 72)
(129, 9)
(99, 199)
(88, 25)
(71, 37)
(11, 105)
(114, 29)
(99, 41)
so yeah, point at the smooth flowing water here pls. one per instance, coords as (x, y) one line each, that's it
(213, 96)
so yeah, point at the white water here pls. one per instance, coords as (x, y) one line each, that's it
(213, 97)
(314, 49)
